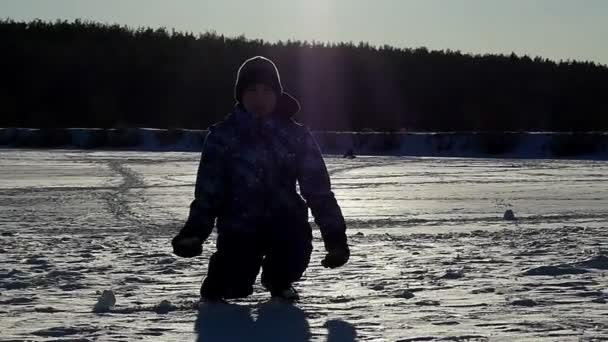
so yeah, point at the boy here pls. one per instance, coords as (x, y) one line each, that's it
(247, 180)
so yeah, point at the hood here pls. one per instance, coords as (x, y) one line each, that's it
(287, 105)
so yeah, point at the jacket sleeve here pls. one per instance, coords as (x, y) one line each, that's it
(208, 190)
(315, 187)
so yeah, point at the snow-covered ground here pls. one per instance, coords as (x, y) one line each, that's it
(432, 256)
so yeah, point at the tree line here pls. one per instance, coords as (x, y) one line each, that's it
(89, 74)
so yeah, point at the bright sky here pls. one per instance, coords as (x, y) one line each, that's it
(557, 29)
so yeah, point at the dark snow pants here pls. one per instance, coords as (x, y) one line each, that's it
(282, 250)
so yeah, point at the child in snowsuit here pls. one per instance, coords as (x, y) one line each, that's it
(247, 181)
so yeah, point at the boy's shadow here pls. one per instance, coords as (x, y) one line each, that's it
(276, 321)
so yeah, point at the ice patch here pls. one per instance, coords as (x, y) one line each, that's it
(445, 323)
(10, 274)
(167, 271)
(14, 285)
(71, 286)
(163, 307)
(47, 309)
(17, 301)
(141, 280)
(480, 338)
(165, 261)
(63, 331)
(377, 285)
(154, 332)
(65, 275)
(553, 270)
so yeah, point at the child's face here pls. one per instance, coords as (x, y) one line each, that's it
(259, 99)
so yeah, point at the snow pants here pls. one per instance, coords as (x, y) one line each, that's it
(281, 249)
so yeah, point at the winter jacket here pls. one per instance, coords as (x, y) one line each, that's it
(247, 179)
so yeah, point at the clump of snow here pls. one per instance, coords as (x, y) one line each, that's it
(428, 302)
(453, 274)
(377, 287)
(164, 307)
(341, 299)
(483, 290)
(599, 262)
(105, 302)
(407, 294)
(350, 154)
(36, 260)
(509, 215)
(524, 302)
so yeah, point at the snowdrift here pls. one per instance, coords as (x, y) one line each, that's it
(468, 144)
